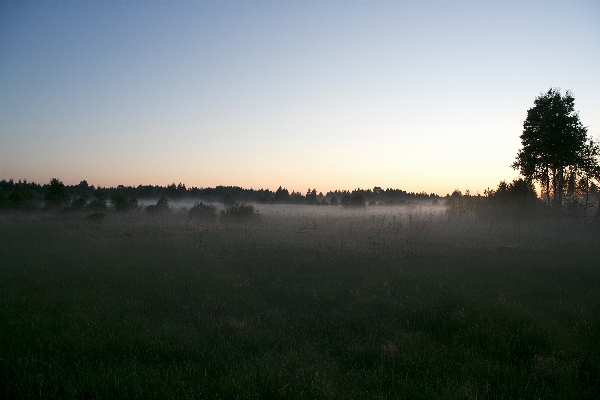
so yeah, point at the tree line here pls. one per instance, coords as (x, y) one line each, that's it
(29, 195)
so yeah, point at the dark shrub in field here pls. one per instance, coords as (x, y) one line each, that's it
(99, 202)
(77, 204)
(96, 205)
(239, 212)
(161, 206)
(203, 211)
(121, 202)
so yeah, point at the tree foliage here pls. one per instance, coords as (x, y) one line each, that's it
(162, 205)
(553, 139)
(354, 200)
(121, 202)
(57, 194)
(240, 212)
(3, 199)
(99, 201)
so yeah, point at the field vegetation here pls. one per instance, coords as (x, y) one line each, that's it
(303, 302)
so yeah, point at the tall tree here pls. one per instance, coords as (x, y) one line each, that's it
(57, 194)
(589, 172)
(552, 139)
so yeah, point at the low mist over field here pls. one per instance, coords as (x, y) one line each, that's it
(301, 302)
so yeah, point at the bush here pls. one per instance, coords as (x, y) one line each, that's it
(203, 211)
(96, 205)
(121, 202)
(161, 206)
(239, 212)
(77, 204)
(99, 202)
(516, 199)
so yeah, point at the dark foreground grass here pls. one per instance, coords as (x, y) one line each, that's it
(298, 305)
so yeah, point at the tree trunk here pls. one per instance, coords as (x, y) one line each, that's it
(560, 185)
(554, 187)
(547, 182)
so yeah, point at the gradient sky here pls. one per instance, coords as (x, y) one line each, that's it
(421, 96)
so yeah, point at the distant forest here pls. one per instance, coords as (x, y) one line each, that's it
(32, 192)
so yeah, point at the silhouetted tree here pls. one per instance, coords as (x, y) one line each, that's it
(282, 195)
(354, 200)
(121, 202)
(78, 204)
(311, 196)
(552, 140)
(588, 171)
(334, 201)
(57, 194)
(3, 199)
(455, 204)
(99, 201)
(21, 198)
(228, 200)
(297, 198)
(81, 189)
(161, 205)
(516, 199)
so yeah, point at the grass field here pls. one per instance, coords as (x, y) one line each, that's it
(307, 302)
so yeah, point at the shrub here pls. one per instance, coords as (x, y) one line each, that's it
(161, 205)
(203, 211)
(99, 202)
(517, 199)
(239, 212)
(77, 204)
(96, 205)
(121, 202)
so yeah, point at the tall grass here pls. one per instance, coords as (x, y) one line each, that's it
(305, 303)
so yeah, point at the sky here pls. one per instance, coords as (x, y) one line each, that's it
(416, 95)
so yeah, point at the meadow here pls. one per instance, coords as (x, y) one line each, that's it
(305, 302)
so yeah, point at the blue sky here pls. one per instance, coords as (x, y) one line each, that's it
(422, 96)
